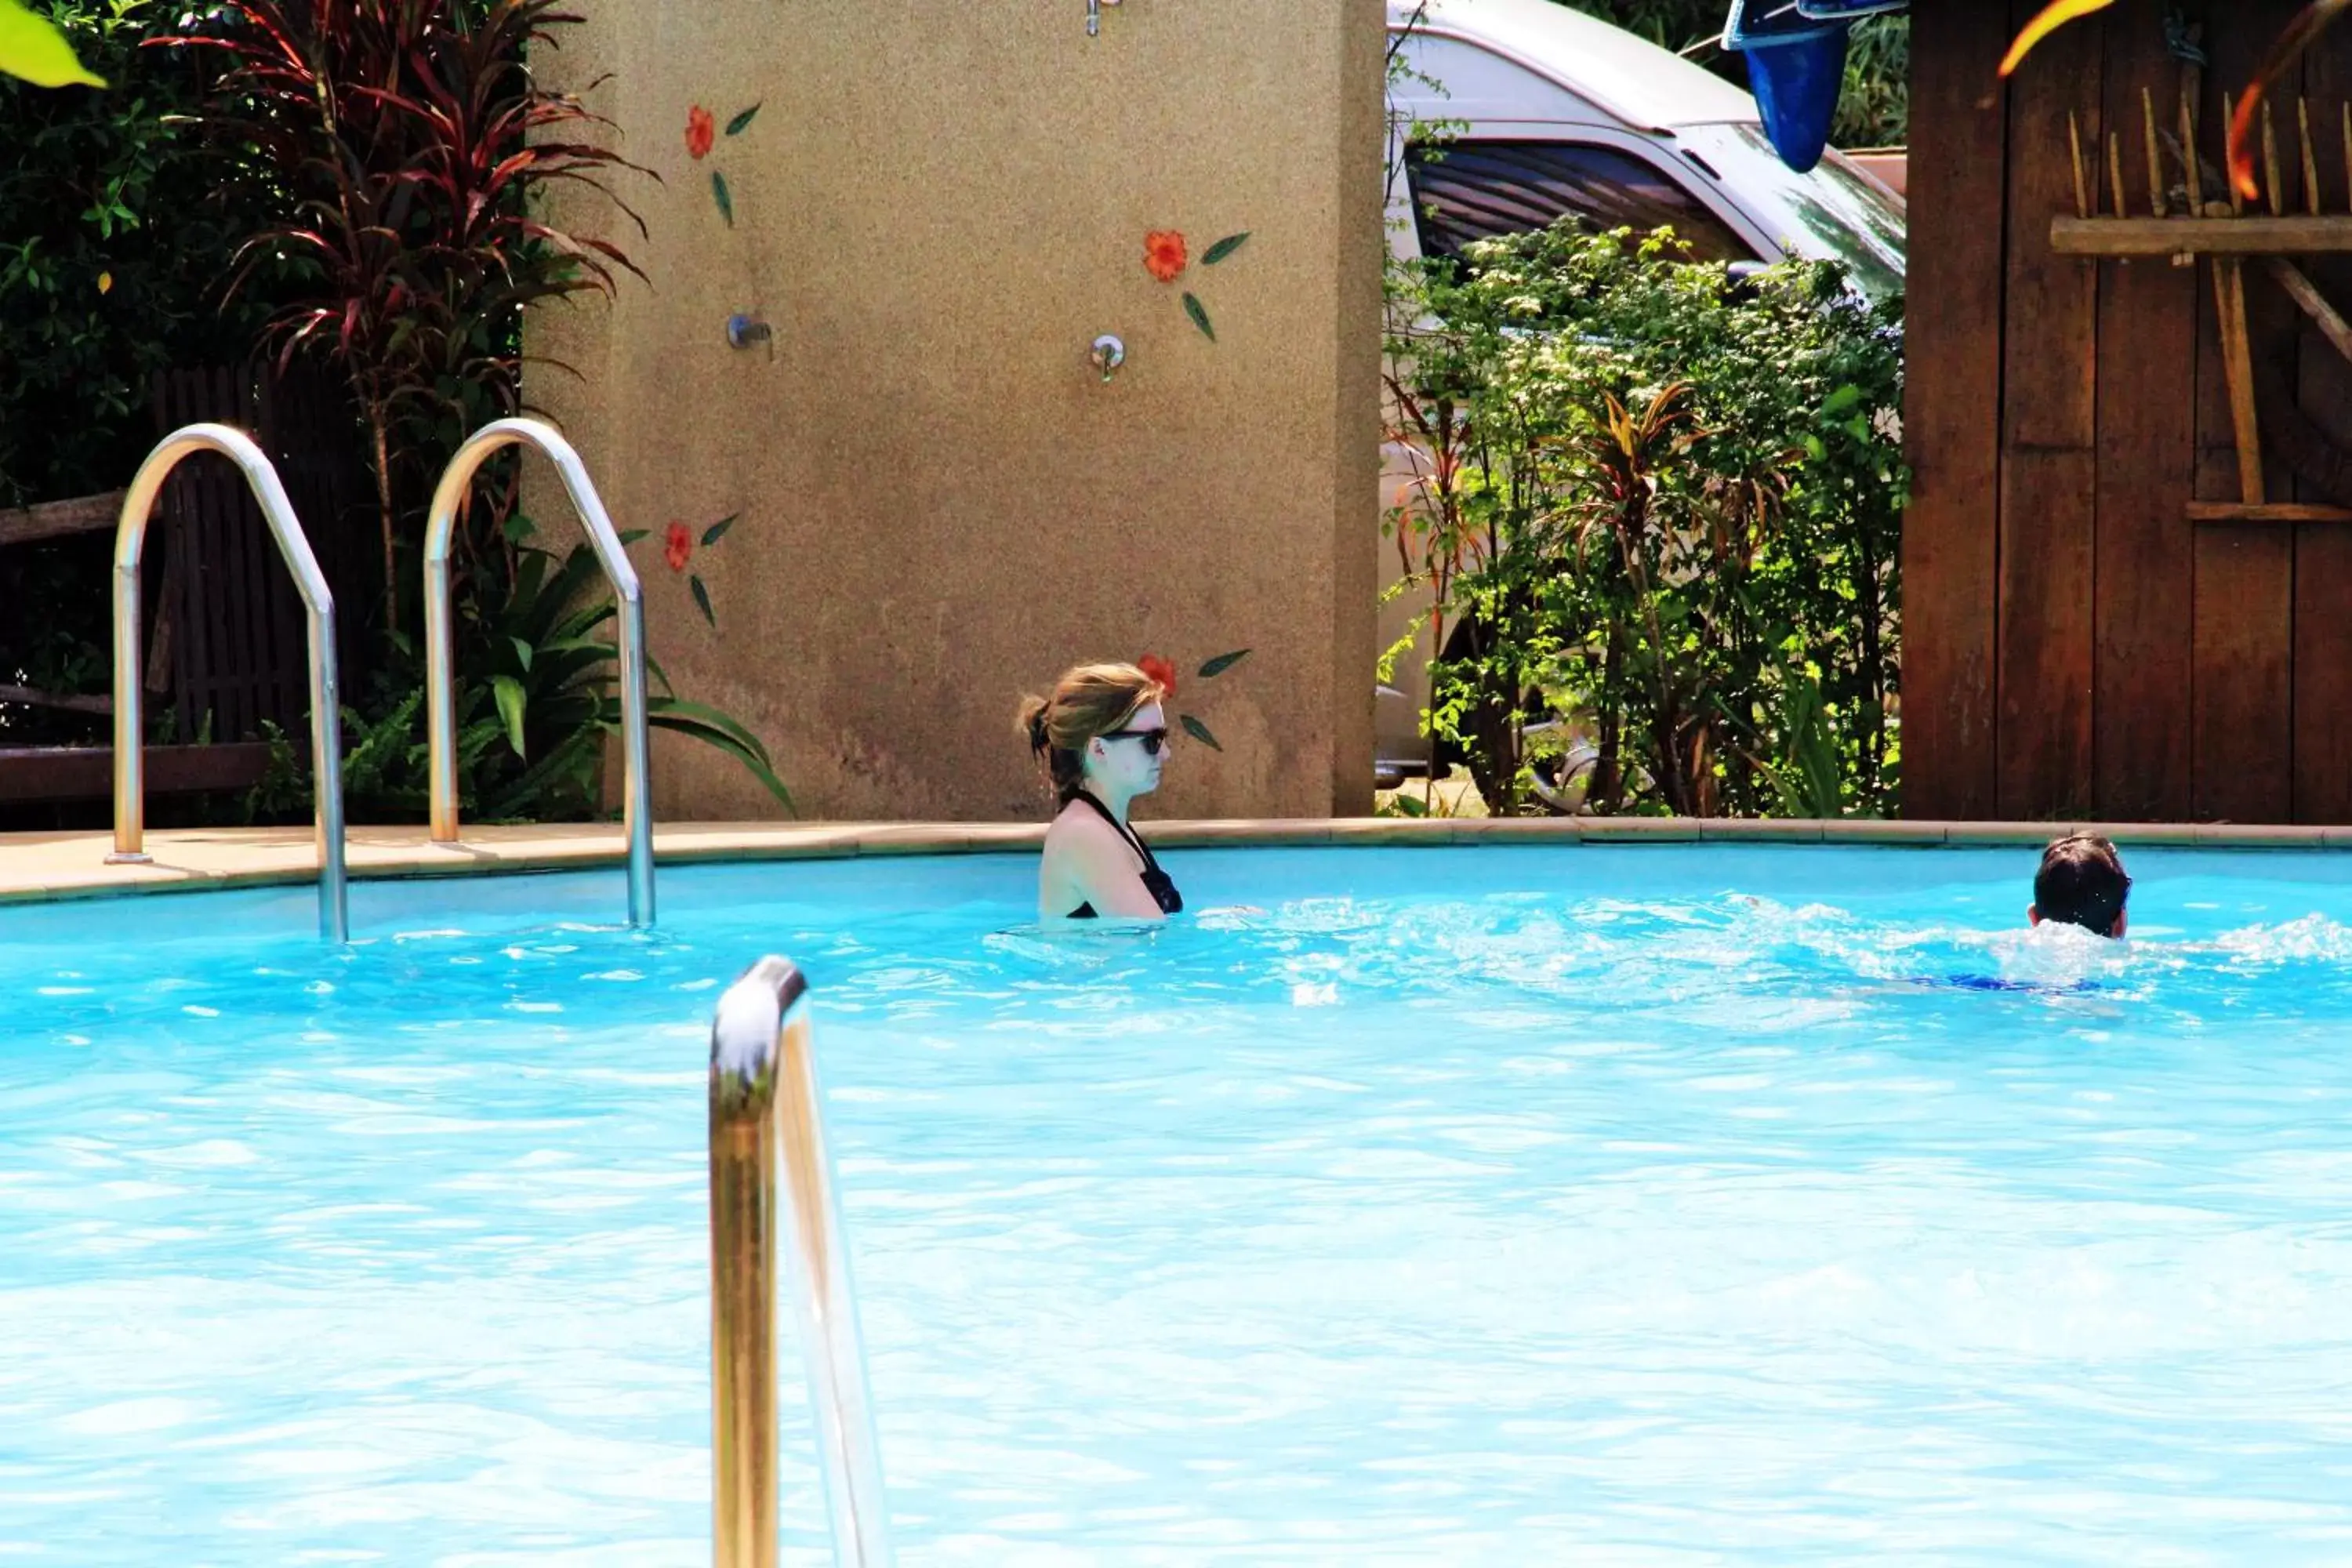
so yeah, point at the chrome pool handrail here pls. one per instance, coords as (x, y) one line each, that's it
(440, 675)
(765, 1109)
(318, 604)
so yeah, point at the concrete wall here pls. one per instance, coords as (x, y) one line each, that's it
(939, 205)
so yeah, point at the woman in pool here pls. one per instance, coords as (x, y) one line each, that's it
(1103, 738)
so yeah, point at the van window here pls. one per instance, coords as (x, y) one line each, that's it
(1469, 190)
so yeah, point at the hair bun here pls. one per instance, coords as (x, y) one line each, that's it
(1033, 723)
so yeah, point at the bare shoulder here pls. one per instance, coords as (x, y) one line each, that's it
(1079, 831)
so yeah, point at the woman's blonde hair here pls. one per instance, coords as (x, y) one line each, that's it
(1089, 701)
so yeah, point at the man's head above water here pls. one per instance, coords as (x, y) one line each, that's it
(2081, 883)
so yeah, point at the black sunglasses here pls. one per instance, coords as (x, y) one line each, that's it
(1153, 740)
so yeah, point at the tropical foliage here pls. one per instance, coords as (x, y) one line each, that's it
(35, 50)
(1656, 526)
(116, 226)
(417, 149)
(362, 182)
(414, 147)
(535, 704)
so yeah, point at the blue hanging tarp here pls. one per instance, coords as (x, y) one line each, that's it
(1850, 10)
(1762, 23)
(1796, 66)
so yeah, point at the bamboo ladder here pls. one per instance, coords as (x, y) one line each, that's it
(2183, 223)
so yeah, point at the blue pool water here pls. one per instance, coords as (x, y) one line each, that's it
(1648, 1205)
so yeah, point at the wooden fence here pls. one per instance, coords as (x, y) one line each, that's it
(2082, 639)
(226, 637)
(229, 642)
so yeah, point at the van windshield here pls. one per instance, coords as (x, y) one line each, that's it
(1836, 211)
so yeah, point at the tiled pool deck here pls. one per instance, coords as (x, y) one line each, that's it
(37, 865)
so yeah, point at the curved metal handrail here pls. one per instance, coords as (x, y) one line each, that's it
(326, 728)
(441, 696)
(765, 1106)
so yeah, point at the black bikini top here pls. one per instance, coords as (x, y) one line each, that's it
(1156, 881)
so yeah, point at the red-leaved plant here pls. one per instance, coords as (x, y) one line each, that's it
(413, 142)
(416, 147)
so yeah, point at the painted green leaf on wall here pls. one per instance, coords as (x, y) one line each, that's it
(32, 47)
(1200, 314)
(719, 194)
(741, 122)
(717, 531)
(1224, 249)
(1200, 732)
(1223, 662)
(702, 599)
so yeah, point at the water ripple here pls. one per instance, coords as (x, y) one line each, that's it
(1656, 1206)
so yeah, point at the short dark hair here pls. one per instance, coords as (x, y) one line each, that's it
(2082, 882)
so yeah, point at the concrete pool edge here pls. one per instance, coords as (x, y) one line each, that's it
(37, 867)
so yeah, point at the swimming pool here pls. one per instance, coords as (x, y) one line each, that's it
(1653, 1204)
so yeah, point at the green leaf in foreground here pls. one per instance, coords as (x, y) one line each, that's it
(511, 701)
(702, 599)
(1224, 249)
(32, 47)
(1200, 732)
(1200, 314)
(710, 718)
(717, 531)
(742, 121)
(1223, 662)
(719, 194)
(716, 729)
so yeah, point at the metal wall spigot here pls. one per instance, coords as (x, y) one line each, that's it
(1093, 15)
(743, 330)
(1108, 355)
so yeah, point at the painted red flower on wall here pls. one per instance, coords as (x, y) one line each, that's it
(1162, 671)
(1163, 255)
(700, 131)
(680, 547)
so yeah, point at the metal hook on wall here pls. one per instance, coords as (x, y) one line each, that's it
(1107, 355)
(744, 330)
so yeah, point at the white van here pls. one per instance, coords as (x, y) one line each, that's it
(1550, 112)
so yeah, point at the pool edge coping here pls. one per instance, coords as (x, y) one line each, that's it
(42, 867)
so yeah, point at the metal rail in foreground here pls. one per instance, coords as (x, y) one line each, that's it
(440, 673)
(765, 1111)
(319, 605)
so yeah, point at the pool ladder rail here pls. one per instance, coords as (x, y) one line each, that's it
(440, 673)
(318, 607)
(766, 1111)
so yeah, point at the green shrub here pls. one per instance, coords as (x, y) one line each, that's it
(1658, 519)
(534, 708)
(116, 230)
(361, 182)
